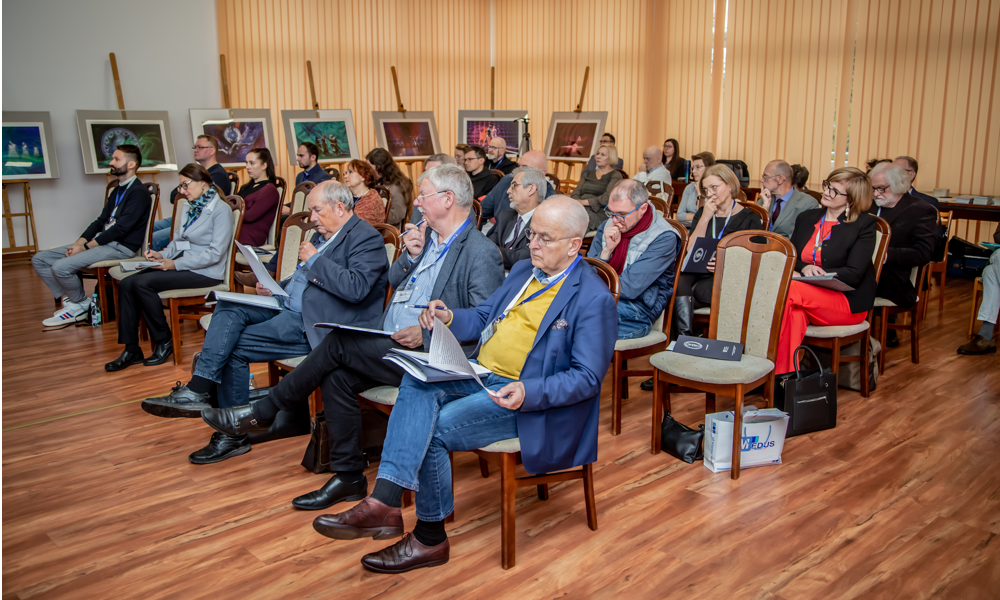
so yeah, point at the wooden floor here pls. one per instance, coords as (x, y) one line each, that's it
(901, 500)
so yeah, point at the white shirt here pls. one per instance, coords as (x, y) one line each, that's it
(525, 218)
(660, 173)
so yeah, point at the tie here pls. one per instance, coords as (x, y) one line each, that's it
(777, 211)
(517, 231)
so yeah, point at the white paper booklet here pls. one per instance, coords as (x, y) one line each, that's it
(445, 362)
(259, 271)
(247, 299)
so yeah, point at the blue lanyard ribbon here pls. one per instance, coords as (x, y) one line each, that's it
(551, 283)
(441, 254)
(817, 243)
(724, 225)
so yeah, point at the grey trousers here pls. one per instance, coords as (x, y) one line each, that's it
(991, 290)
(59, 271)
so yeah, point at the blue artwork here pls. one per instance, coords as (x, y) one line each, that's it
(24, 152)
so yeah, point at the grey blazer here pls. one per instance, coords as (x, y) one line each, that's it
(211, 238)
(472, 270)
(798, 202)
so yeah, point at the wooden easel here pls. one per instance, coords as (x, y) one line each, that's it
(31, 247)
(402, 109)
(121, 106)
(315, 106)
(571, 164)
(224, 78)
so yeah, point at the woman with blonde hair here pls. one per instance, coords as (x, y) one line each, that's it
(594, 189)
(838, 237)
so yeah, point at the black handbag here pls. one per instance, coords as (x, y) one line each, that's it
(680, 441)
(809, 397)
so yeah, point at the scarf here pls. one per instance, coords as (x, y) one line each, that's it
(617, 260)
(197, 205)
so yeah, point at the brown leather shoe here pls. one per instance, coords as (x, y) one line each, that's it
(368, 518)
(978, 345)
(405, 555)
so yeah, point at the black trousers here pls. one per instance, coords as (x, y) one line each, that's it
(344, 364)
(698, 285)
(139, 295)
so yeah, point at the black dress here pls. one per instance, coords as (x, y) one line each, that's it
(700, 285)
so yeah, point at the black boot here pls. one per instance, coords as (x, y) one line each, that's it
(161, 352)
(220, 448)
(683, 316)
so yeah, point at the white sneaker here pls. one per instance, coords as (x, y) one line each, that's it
(73, 313)
(62, 303)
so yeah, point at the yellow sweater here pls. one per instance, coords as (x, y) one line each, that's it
(506, 351)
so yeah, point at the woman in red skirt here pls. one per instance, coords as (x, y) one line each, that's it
(838, 237)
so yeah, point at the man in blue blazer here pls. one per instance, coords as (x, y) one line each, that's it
(342, 279)
(547, 334)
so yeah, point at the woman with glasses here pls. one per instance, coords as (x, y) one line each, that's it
(673, 160)
(260, 198)
(360, 176)
(838, 237)
(692, 197)
(195, 258)
(400, 187)
(720, 216)
(594, 189)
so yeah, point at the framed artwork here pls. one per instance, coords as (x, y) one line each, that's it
(411, 136)
(478, 127)
(28, 150)
(331, 130)
(574, 136)
(237, 131)
(102, 131)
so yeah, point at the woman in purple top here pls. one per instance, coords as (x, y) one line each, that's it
(260, 197)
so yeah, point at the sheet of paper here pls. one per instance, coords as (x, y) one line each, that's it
(248, 299)
(352, 328)
(446, 352)
(259, 271)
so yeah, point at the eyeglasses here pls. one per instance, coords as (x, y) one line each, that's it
(201, 147)
(765, 177)
(430, 194)
(712, 188)
(516, 183)
(881, 189)
(542, 241)
(471, 159)
(184, 185)
(618, 216)
(832, 191)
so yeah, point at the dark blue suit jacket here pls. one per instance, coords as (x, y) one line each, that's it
(316, 175)
(562, 376)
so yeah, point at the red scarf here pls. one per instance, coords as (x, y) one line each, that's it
(617, 260)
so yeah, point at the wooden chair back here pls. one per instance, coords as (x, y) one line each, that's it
(112, 186)
(623, 173)
(498, 173)
(741, 196)
(234, 183)
(883, 233)
(660, 205)
(333, 172)
(391, 239)
(299, 195)
(154, 193)
(293, 233)
(658, 189)
(752, 275)
(608, 274)
(556, 183)
(238, 207)
(386, 197)
(761, 212)
(668, 316)
(477, 209)
(272, 233)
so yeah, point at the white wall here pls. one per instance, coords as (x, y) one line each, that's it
(55, 58)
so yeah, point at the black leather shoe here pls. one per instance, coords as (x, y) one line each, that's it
(234, 421)
(647, 385)
(332, 492)
(161, 352)
(220, 448)
(181, 402)
(125, 360)
(287, 424)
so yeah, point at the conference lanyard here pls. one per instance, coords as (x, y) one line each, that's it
(878, 213)
(118, 200)
(724, 225)
(440, 255)
(817, 243)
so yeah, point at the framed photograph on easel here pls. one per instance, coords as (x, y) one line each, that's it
(102, 131)
(331, 130)
(27, 146)
(478, 127)
(407, 136)
(574, 136)
(237, 130)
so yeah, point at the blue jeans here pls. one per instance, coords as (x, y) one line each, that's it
(632, 321)
(428, 421)
(161, 234)
(240, 335)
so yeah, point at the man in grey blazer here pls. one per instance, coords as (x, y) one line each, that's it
(447, 259)
(780, 199)
(342, 279)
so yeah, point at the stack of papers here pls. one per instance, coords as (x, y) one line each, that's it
(445, 362)
(129, 266)
(828, 281)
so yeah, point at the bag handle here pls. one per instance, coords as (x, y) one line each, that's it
(795, 356)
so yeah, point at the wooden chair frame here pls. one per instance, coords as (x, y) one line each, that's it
(662, 380)
(234, 183)
(556, 183)
(882, 313)
(477, 209)
(305, 187)
(660, 191)
(761, 212)
(939, 268)
(386, 196)
(663, 207)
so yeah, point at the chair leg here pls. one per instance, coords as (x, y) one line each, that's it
(657, 413)
(589, 496)
(484, 467)
(975, 302)
(769, 390)
(865, 351)
(624, 388)
(944, 274)
(737, 432)
(835, 358)
(451, 459)
(616, 395)
(543, 491)
(709, 403)
(175, 330)
(915, 335)
(882, 332)
(273, 373)
(102, 292)
(114, 295)
(508, 487)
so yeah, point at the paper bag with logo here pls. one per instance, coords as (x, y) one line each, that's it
(763, 438)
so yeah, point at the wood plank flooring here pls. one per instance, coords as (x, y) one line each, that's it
(901, 500)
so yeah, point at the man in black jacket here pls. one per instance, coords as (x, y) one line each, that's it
(497, 153)
(483, 180)
(116, 234)
(526, 192)
(910, 167)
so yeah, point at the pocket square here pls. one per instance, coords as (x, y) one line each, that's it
(560, 324)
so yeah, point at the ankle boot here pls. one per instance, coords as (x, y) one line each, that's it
(683, 317)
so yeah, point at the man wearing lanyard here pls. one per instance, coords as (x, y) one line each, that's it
(445, 258)
(117, 234)
(547, 335)
(342, 279)
(497, 153)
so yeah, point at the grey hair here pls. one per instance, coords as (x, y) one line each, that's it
(535, 177)
(450, 178)
(332, 192)
(784, 169)
(634, 190)
(444, 159)
(573, 215)
(895, 176)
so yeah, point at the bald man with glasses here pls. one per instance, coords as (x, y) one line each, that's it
(496, 153)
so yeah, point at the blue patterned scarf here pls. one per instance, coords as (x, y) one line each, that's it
(194, 207)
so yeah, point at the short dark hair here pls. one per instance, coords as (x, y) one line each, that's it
(462, 147)
(131, 152)
(480, 153)
(211, 141)
(800, 176)
(874, 161)
(911, 161)
(196, 172)
(606, 134)
(365, 170)
(265, 155)
(311, 148)
(706, 157)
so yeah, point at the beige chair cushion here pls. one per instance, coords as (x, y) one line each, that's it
(116, 272)
(205, 321)
(192, 292)
(708, 370)
(383, 394)
(655, 337)
(703, 311)
(290, 363)
(264, 258)
(107, 264)
(883, 302)
(835, 331)
(735, 284)
(390, 251)
(511, 445)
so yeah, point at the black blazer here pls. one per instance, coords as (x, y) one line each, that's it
(506, 221)
(848, 253)
(131, 217)
(914, 225)
(942, 231)
(741, 221)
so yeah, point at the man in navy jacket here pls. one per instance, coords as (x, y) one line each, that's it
(547, 334)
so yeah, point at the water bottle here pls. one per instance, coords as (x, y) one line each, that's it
(95, 312)
(253, 385)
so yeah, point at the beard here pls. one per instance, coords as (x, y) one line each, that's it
(118, 172)
(880, 201)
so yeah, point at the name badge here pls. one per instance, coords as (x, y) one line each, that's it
(111, 223)
(490, 330)
(402, 295)
(182, 245)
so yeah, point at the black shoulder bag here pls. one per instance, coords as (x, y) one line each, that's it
(809, 397)
(680, 441)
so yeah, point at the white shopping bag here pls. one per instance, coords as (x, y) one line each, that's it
(763, 438)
